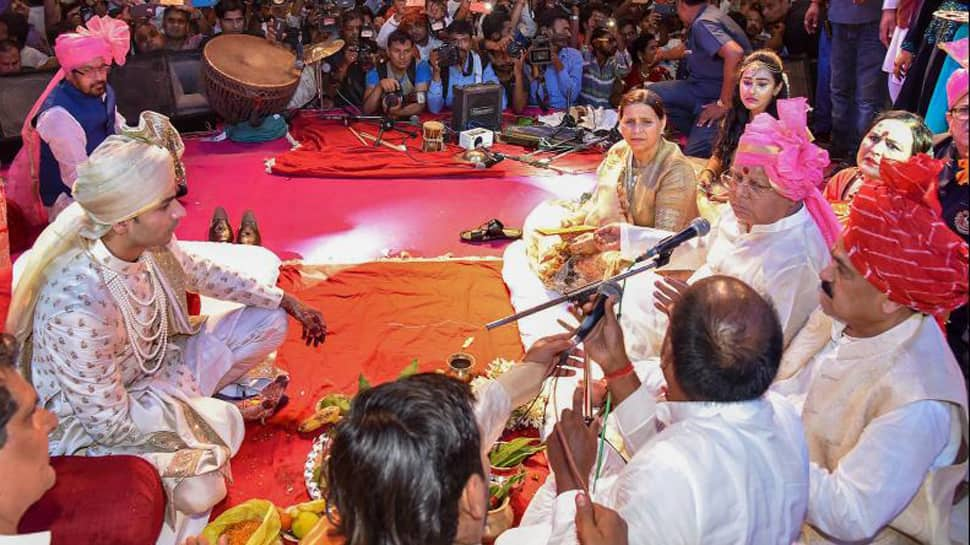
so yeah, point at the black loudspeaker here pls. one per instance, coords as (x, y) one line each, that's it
(478, 105)
(165, 82)
(17, 94)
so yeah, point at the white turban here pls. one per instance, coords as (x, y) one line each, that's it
(127, 175)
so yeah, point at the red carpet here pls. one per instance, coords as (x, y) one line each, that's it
(357, 220)
(381, 317)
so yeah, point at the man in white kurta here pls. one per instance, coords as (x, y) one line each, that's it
(111, 349)
(880, 393)
(774, 236)
(710, 464)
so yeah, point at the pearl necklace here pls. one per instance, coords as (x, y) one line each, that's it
(124, 297)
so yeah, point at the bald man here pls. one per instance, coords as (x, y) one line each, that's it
(716, 459)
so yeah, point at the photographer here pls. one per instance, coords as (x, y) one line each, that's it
(419, 28)
(345, 83)
(464, 67)
(557, 70)
(399, 86)
(507, 58)
(610, 64)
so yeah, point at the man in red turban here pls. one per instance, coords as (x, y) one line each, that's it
(883, 401)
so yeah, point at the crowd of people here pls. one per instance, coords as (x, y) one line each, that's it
(798, 375)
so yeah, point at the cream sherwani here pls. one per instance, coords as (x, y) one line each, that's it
(85, 372)
(781, 261)
(884, 417)
(711, 473)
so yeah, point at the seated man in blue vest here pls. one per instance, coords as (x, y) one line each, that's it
(80, 112)
(398, 88)
(466, 68)
(555, 84)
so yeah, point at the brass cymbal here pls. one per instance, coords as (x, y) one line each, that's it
(471, 157)
(319, 51)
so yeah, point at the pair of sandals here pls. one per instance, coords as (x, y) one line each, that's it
(491, 230)
(220, 230)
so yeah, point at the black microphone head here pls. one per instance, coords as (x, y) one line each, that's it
(701, 225)
(610, 289)
(414, 120)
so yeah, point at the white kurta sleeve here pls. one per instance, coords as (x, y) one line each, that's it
(492, 410)
(877, 479)
(208, 278)
(66, 139)
(636, 418)
(81, 347)
(646, 495)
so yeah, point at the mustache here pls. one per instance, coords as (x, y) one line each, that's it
(827, 288)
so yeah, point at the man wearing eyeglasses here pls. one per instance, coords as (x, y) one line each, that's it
(79, 113)
(774, 235)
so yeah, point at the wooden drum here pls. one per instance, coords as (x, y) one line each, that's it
(433, 134)
(247, 78)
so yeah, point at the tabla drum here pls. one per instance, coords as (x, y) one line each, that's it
(433, 134)
(247, 78)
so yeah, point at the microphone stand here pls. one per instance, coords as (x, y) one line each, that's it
(387, 123)
(583, 293)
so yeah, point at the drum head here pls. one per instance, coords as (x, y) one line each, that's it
(251, 60)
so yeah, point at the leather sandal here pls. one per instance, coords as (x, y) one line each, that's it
(249, 231)
(490, 230)
(220, 230)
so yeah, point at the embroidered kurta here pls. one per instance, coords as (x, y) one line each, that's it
(711, 473)
(781, 261)
(86, 373)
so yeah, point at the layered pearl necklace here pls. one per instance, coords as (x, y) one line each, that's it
(142, 330)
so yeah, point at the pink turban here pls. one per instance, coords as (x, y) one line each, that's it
(794, 165)
(956, 86)
(104, 37)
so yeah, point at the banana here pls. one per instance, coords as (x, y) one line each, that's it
(324, 416)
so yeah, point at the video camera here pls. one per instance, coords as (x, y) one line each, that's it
(540, 50)
(330, 12)
(366, 52)
(447, 55)
(540, 53)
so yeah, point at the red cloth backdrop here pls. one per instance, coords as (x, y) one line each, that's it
(381, 316)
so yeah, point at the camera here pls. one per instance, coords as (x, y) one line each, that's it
(367, 33)
(392, 100)
(447, 55)
(541, 52)
(515, 49)
(366, 53)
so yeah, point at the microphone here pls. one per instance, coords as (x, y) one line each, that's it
(606, 290)
(697, 228)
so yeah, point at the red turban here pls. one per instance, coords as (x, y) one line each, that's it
(897, 239)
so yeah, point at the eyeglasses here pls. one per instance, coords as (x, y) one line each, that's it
(92, 70)
(735, 182)
(962, 113)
